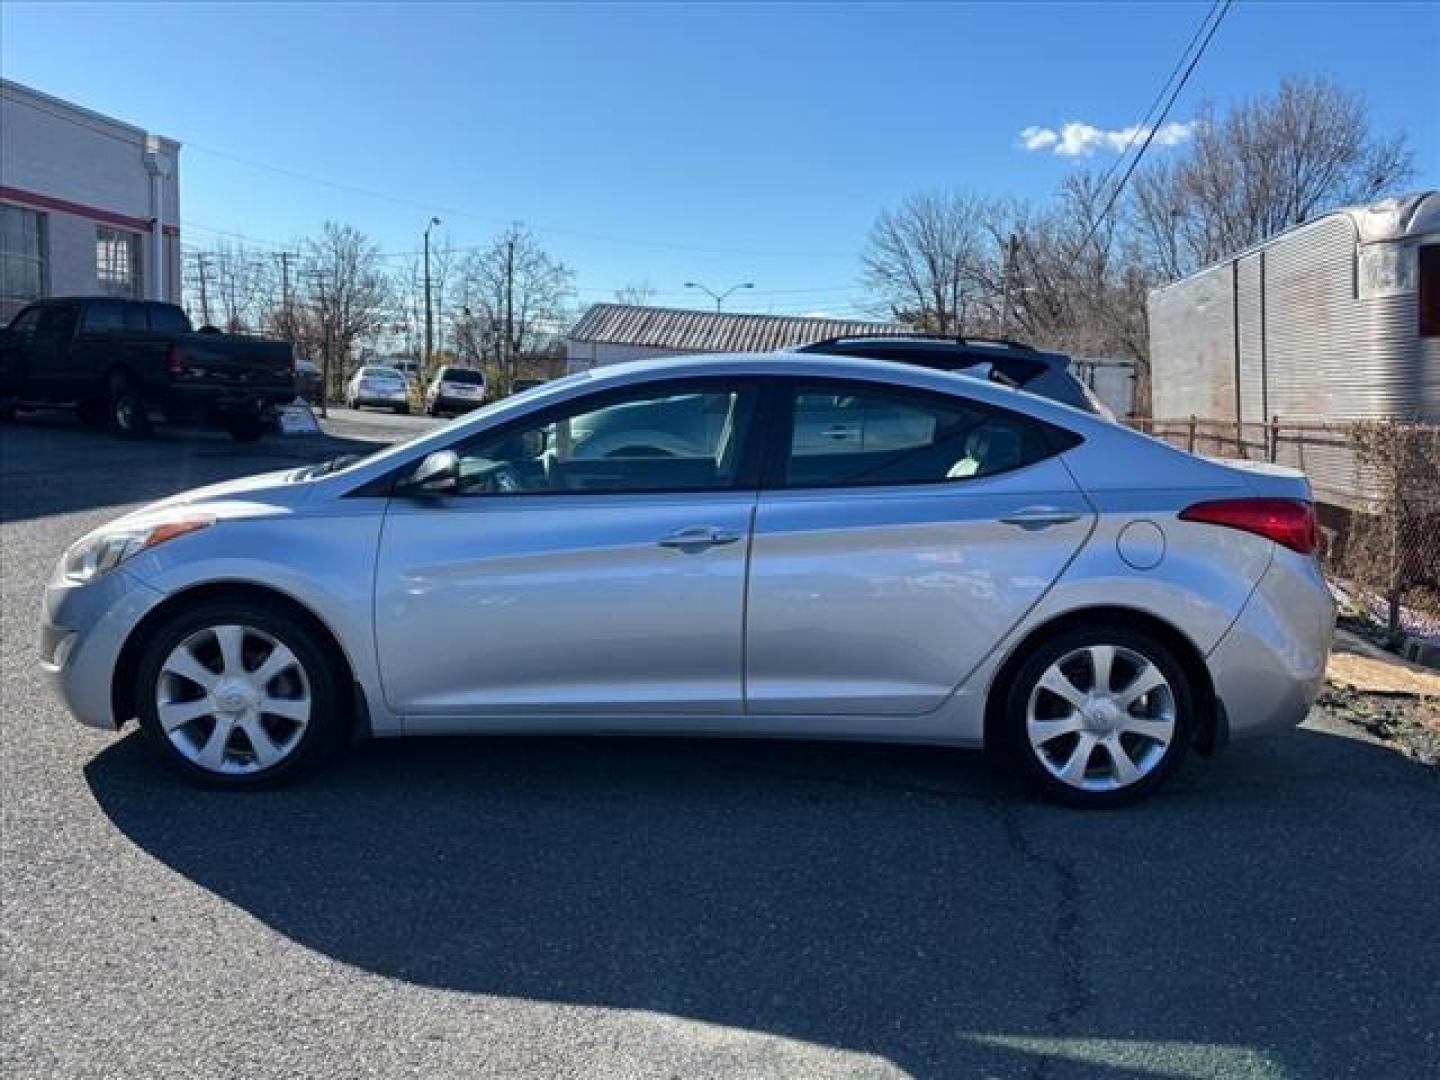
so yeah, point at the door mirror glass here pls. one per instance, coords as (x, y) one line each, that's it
(438, 474)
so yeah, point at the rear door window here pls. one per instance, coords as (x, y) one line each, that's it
(849, 434)
(112, 317)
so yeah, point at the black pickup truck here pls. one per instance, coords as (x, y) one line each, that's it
(126, 362)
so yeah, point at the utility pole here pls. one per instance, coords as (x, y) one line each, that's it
(429, 318)
(1012, 252)
(510, 313)
(285, 257)
(201, 258)
(317, 281)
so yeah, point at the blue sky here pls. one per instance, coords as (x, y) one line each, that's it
(668, 143)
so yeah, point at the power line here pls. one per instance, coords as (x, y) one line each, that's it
(427, 207)
(1144, 124)
(1094, 228)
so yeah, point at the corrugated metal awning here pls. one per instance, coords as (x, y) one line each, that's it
(712, 331)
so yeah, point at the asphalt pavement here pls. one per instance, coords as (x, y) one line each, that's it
(647, 908)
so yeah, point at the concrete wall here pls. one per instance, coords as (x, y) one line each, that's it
(82, 171)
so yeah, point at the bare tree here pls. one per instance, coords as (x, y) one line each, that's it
(512, 298)
(222, 286)
(350, 292)
(1073, 282)
(923, 260)
(1265, 165)
(637, 293)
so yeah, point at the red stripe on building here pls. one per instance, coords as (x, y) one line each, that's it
(94, 213)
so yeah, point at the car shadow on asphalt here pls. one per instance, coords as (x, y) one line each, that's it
(1271, 913)
(50, 464)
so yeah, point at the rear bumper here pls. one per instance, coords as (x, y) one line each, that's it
(209, 402)
(1270, 666)
(388, 399)
(444, 403)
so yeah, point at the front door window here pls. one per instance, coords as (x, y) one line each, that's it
(679, 439)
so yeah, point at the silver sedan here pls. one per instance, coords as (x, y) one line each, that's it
(776, 545)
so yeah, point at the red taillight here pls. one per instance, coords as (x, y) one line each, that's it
(1290, 522)
(174, 361)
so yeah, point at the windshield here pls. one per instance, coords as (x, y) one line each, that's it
(439, 437)
(380, 373)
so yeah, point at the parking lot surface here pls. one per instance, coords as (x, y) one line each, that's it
(645, 908)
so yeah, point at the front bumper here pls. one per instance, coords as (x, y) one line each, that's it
(1270, 666)
(82, 630)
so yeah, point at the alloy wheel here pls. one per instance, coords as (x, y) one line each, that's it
(233, 699)
(1101, 718)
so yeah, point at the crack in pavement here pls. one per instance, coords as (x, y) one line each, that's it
(1076, 995)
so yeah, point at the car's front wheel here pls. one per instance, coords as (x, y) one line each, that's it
(129, 415)
(1099, 715)
(238, 694)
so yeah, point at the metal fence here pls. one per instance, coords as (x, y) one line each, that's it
(1379, 485)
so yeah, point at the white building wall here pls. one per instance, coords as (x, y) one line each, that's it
(583, 355)
(82, 171)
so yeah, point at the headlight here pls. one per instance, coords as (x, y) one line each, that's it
(101, 552)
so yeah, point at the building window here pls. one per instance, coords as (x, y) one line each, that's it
(22, 259)
(117, 262)
(1429, 290)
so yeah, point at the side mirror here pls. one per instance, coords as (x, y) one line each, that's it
(438, 474)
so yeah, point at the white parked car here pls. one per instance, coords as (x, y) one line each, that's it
(383, 387)
(455, 390)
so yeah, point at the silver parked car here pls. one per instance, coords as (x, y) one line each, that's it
(837, 548)
(380, 386)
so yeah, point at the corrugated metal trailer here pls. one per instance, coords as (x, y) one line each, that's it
(1334, 320)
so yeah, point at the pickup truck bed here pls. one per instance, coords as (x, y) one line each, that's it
(129, 362)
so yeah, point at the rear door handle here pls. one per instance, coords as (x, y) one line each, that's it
(1041, 517)
(697, 537)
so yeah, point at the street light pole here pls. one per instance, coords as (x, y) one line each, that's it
(429, 319)
(719, 298)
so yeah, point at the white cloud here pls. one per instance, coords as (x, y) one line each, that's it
(1075, 139)
(1037, 138)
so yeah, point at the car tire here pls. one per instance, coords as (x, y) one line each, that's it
(1085, 744)
(127, 411)
(309, 730)
(403, 410)
(245, 429)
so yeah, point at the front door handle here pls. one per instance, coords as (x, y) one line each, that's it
(1041, 517)
(697, 537)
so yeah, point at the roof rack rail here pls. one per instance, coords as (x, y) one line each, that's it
(922, 336)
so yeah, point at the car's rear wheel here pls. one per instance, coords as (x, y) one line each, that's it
(1099, 715)
(245, 427)
(238, 695)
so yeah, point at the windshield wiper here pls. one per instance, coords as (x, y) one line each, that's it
(325, 468)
